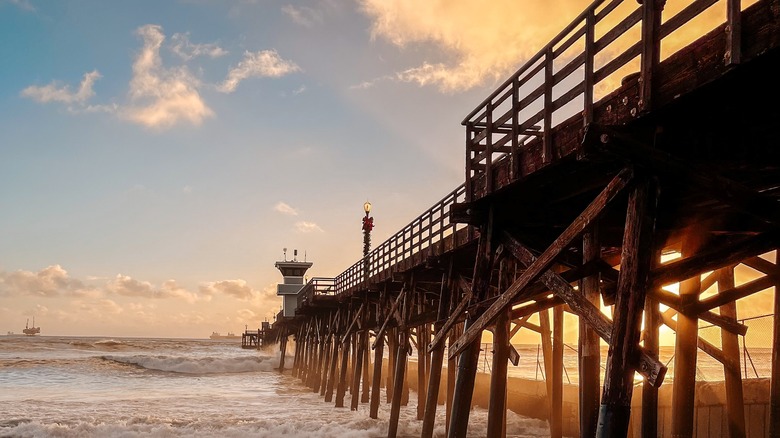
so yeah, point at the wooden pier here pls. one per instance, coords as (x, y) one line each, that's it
(620, 142)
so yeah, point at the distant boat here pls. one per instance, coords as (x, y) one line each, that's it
(230, 335)
(31, 331)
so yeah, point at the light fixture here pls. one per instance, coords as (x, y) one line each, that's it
(367, 207)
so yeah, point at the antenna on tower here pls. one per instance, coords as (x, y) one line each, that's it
(285, 254)
(295, 255)
(304, 255)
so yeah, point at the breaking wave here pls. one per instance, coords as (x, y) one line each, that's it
(204, 365)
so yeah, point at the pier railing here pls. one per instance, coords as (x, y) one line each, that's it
(427, 232)
(317, 286)
(587, 60)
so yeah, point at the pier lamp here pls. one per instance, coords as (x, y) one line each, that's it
(368, 225)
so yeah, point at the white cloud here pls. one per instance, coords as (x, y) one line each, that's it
(299, 90)
(481, 42)
(283, 208)
(307, 227)
(56, 92)
(23, 4)
(265, 63)
(187, 50)
(303, 15)
(162, 97)
(52, 281)
(235, 288)
(127, 286)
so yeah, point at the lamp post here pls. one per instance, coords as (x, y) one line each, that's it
(368, 225)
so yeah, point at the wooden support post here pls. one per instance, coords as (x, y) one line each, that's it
(735, 405)
(469, 358)
(364, 395)
(496, 427)
(326, 363)
(685, 349)
(282, 352)
(392, 349)
(357, 370)
(437, 357)
(649, 391)
(635, 262)
(422, 362)
(464, 388)
(376, 382)
(452, 366)
(398, 383)
(296, 355)
(556, 431)
(546, 337)
(589, 347)
(342, 385)
(334, 357)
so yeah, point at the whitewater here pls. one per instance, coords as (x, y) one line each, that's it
(127, 387)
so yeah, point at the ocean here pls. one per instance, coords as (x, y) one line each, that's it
(128, 387)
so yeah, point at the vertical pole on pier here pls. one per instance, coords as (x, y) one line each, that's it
(557, 376)
(547, 357)
(376, 382)
(298, 347)
(650, 392)
(342, 385)
(686, 348)
(364, 395)
(334, 356)
(422, 357)
(635, 262)
(326, 363)
(452, 367)
(774, 383)
(735, 405)
(469, 358)
(357, 370)
(589, 342)
(398, 382)
(497, 404)
(392, 349)
(437, 358)
(282, 352)
(496, 426)
(651, 50)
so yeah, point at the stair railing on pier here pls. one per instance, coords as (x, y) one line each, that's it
(421, 238)
(315, 287)
(606, 42)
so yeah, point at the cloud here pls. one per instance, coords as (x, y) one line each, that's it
(235, 288)
(55, 92)
(307, 227)
(187, 50)
(52, 281)
(24, 5)
(481, 47)
(303, 15)
(299, 90)
(130, 287)
(161, 97)
(283, 208)
(265, 63)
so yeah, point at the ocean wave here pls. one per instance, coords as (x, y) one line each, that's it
(204, 365)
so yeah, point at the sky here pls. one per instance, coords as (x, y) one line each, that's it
(157, 156)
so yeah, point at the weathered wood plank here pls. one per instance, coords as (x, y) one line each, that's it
(591, 212)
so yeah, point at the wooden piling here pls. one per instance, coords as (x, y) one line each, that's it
(376, 381)
(589, 347)
(735, 405)
(332, 370)
(398, 384)
(635, 261)
(496, 426)
(342, 383)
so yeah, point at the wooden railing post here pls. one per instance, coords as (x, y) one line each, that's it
(651, 50)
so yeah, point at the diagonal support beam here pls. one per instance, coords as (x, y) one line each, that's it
(393, 309)
(454, 316)
(591, 212)
(651, 368)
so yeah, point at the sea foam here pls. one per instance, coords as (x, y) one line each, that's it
(204, 365)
